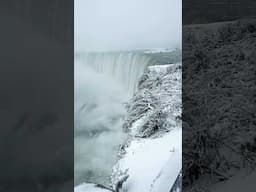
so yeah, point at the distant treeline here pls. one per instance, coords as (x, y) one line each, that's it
(162, 58)
(208, 11)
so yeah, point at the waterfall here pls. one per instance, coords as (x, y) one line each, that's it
(123, 67)
(103, 83)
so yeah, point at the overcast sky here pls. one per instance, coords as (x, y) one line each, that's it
(103, 25)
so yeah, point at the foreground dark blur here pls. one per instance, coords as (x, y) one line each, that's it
(218, 92)
(36, 96)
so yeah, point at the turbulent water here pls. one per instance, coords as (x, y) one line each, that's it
(103, 83)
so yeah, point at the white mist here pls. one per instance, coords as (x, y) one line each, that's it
(103, 83)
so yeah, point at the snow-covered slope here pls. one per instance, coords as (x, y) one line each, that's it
(151, 158)
(153, 164)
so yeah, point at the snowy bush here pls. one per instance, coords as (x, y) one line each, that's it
(154, 102)
(218, 99)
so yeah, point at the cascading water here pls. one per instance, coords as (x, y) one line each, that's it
(103, 83)
(124, 67)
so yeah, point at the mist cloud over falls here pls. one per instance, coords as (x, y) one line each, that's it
(99, 108)
(103, 83)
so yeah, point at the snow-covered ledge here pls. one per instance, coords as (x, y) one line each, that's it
(151, 159)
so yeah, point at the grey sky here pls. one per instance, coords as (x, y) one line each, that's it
(127, 24)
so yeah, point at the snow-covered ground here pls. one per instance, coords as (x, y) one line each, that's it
(153, 162)
(158, 50)
(89, 187)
